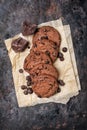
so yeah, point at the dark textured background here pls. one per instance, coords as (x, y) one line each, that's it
(51, 116)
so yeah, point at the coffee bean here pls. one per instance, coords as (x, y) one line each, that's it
(60, 55)
(28, 78)
(61, 82)
(21, 70)
(26, 92)
(62, 59)
(23, 87)
(58, 90)
(64, 49)
(30, 91)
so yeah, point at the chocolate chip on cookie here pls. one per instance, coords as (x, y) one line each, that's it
(21, 70)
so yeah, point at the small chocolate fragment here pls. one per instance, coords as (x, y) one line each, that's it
(62, 59)
(30, 91)
(26, 92)
(23, 87)
(28, 78)
(64, 49)
(61, 82)
(60, 55)
(21, 70)
(19, 45)
(28, 28)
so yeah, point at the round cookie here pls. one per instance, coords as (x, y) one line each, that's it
(47, 32)
(45, 86)
(47, 47)
(35, 58)
(41, 69)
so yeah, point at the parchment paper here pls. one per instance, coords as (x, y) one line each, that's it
(67, 69)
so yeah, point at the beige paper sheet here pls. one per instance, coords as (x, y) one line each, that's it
(65, 68)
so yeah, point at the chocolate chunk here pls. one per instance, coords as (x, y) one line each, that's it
(30, 91)
(28, 28)
(23, 87)
(47, 53)
(19, 45)
(21, 70)
(62, 59)
(26, 92)
(54, 54)
(61, 82)
(28, 78)
(60, 55)
(64, 49)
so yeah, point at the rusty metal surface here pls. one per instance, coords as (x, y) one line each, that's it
(72, 116)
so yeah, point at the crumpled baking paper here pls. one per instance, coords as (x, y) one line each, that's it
(67, 69)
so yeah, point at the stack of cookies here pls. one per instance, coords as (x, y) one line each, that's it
(39, 63)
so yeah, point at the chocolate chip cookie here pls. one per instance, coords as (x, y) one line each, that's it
(48, 47)
(35, 58)
(45, 86)
(47, 32)
(41, 69)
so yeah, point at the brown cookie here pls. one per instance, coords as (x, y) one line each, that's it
(41, 69)
(45, 86)
(47, 32)
(35, 58)
(48, 47)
